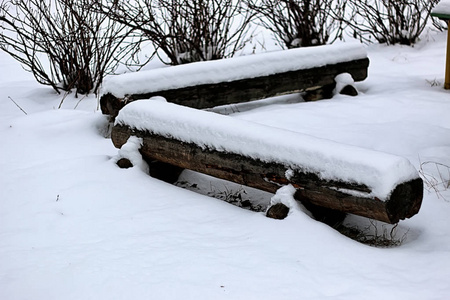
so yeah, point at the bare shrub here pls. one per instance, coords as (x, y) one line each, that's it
(436, 177)
(186, 31)
(376, 234)
(297, 23)
(440, 25)
(64, 43)
(389, 21)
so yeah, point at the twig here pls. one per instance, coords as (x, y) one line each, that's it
(63, 98)
(432, 182)
(79, 101)
(17, 105)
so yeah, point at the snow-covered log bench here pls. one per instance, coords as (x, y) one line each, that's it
(241, 79)
(325, 173)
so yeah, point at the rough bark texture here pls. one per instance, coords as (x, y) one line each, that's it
(211, 95)
(404, 202)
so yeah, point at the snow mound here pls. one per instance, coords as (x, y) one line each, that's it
(381, 172)
(130, 150)
(285, 195)
(210, 72)
(343, 80)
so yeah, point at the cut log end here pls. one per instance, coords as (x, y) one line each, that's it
(164, 171)
(405, 200)
(349, 90)
(124, 163)
(278, 211)
(111, 105)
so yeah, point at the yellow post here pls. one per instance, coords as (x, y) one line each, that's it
(447, 65)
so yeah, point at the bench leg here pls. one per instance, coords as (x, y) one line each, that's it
(164, 171)
(324, 92)
(331, 217)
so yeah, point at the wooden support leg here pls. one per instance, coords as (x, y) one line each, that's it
(331, 217)
(164, 171)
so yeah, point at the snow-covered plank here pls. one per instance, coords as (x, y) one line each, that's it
(342, 177)
(241, 79)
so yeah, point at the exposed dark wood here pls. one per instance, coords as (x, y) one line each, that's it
(349, 90)
(163, 171)
(326, 215)
(403, 203)
(278, 211)
(211, 95)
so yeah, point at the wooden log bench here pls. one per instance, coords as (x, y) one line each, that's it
(324, 173)
(241, 79)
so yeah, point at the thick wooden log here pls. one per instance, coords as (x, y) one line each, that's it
(404, 201)
(245, 90)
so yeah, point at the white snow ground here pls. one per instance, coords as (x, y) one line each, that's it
(75, 226)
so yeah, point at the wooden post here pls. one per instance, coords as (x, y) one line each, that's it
(447, 65)
(444, 16)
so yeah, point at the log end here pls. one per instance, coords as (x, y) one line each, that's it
(278, 211)
(124, 163)
(349, 90)
(111, 105)
(405, 200)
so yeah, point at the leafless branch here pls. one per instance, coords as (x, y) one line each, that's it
(186, 31)
(297, 23)
(389, 21)
(64, 43)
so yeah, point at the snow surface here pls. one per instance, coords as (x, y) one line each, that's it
(443, 7)
(75, 226)
(381, 172)
(209, 72)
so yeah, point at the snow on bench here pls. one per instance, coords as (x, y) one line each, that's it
(341, 177)
(241, 79)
